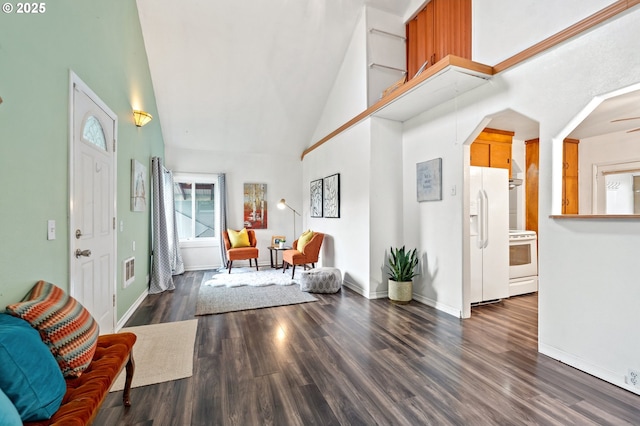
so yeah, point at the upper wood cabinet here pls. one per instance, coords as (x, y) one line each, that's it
(492, 148)
(570, 176)
(442, 28)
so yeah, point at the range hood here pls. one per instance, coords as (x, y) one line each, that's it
(514, 182)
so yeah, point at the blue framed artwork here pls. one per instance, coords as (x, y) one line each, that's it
(429, 180)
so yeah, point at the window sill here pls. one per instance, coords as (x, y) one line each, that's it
(209, 242)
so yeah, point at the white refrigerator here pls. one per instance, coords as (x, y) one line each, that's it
(489, 233)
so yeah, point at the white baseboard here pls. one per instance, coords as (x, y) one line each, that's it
(581, 364)
(209, 267)
(384, 294)
(437, 305)
(131, 310)
(354, 287)
(379, 295)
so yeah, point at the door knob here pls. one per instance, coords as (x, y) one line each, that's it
(85, 253)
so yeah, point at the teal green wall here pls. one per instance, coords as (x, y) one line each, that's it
(101, 41)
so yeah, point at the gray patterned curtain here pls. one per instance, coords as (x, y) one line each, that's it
(166, 260)
(175, 255)
(222, 225)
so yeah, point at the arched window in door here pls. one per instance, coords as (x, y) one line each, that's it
(92, 132)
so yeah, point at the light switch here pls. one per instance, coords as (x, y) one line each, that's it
(51, 230)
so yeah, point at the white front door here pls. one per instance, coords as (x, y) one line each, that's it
(92, 220)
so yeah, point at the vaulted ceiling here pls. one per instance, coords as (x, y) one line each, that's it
(254, 76)
(247, 76)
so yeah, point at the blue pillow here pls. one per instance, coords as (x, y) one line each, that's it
(29, 374)
(9, 416)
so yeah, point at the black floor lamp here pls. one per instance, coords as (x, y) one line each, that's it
(281, 205)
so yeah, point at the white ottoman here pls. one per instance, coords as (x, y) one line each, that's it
(321, 280)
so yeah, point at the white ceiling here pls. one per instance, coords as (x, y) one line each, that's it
(247, 76)
(616, 114)
(254, 76)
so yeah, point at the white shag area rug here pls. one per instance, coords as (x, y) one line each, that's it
(246, 289)
(249, 276)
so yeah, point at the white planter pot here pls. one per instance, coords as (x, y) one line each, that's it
(400, 291)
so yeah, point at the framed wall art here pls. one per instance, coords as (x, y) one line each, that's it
(331, 196)
(255, 205)
(138, 186)
(316, 198)
(429, 180)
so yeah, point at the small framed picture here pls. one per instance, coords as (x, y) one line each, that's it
(331, 196)
(316, 198)
(276, 239)
(138, 186)
(429, 180)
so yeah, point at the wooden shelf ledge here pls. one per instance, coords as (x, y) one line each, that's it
(440, 83)
(594, 216)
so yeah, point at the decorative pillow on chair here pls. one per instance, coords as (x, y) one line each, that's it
(304, 240)
(29, 375)
(239, 238)
(64, 325)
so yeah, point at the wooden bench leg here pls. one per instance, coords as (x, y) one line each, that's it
(130, 367)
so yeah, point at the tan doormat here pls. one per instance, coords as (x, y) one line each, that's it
(162, 352)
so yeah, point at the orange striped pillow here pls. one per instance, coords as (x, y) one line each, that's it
(65, 326)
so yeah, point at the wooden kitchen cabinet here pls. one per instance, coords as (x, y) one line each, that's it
(532, 161)
(492, 148)
(442, 28)
(570, 176)
(480, 154)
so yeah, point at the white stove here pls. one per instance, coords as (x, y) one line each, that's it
(518, 234)
(523, 262)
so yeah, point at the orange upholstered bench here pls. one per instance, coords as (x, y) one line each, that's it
(85, 394)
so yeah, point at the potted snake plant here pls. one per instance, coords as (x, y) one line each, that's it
(402, 268)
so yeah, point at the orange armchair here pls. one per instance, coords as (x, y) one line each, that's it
(241, 253)
(311, 253)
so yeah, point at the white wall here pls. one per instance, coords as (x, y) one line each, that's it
(503, 28)
(436, 228)
(383, 49)
(282, 176)
(607, 149)
(347, 240)
(385, 196)
(588, 281)
(348, 96)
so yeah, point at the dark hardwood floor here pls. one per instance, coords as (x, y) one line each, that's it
(347, 360)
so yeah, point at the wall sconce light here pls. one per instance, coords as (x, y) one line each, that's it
(141, 118)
